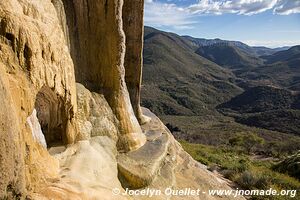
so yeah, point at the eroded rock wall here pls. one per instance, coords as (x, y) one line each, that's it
(12, 166)
(44, 45)
(95, 117)
(133, 24)
(97, 46)
(33, 54)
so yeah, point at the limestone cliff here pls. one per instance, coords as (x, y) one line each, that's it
(97, 46)
(36, 68)
(97, 136)
(133, 24)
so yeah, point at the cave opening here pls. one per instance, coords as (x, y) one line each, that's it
(50, 112)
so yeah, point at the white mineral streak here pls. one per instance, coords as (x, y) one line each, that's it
(36, 129)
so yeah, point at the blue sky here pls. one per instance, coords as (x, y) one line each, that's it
(271, 23)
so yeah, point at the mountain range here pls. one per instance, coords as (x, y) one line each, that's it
(221, 87)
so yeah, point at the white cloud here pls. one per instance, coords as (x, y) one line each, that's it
(166, 14)
(286, 7)
(159, 14)
(245, 7)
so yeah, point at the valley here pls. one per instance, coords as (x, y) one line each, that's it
(210, 90)
(221, 97)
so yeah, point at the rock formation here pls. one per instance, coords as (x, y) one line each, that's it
(133, 24)
(91, 129)
(33, 59)
(97, 46)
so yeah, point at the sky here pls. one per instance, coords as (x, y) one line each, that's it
(270, 23)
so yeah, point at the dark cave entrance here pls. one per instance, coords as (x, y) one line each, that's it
(51, 115)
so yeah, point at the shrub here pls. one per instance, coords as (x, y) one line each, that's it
(241, 169)
(247, 180)
(247, 141)
(290, 165)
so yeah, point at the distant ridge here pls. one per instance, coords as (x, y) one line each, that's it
(186, 77)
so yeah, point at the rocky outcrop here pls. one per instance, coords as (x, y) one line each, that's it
(93, 169)
(133, 24)
(88, 170)
(95, 142)
(162, 163)
(97, 46)
(94, 116)
(12, 164)
(33, 56)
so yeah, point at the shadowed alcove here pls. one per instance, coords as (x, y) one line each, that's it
(52, 117)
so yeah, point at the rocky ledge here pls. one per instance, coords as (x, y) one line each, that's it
(93, 168)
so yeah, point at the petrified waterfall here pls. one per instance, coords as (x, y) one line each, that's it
(44, 46)
(97, 46)
(70, 80)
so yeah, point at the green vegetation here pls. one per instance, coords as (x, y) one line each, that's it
(228, 55)
(217, 130)
(247, 141)
(280, 69)
(259, 92)
(290, 165)
(287, 121)
(262, 99)
(235, 108)
(177, 81)
(266, 107)
(248, 172)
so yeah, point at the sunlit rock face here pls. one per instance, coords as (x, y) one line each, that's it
(12, 163)
(40, 43)
(133, 25)
(44, 45)
(90, 173)
(94, 116)
(96, 39)
(33, 54)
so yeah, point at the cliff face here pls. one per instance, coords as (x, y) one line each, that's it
(97, 44)
(33, 60)
(91, 129)
(133, 24)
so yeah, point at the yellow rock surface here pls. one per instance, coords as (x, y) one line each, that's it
(95, 142)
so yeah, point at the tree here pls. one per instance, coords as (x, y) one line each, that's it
(250, 141)
(246, 141)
